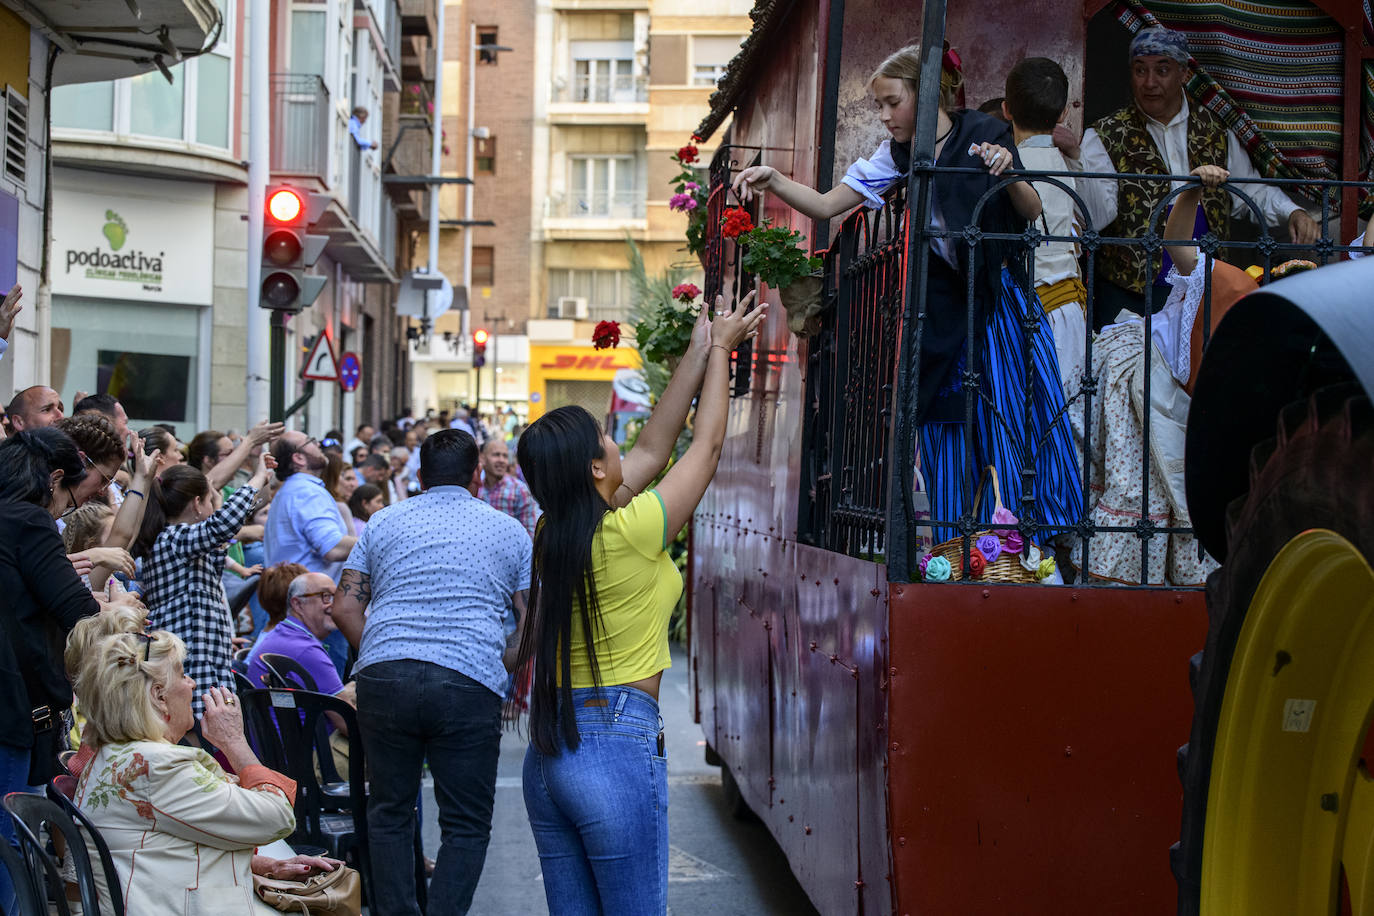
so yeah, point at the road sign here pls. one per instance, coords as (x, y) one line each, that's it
(321, 365)
(350, 371)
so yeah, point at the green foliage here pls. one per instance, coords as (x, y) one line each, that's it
(662, 325)
(777, 255)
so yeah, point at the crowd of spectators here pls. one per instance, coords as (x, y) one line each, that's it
(167, 568)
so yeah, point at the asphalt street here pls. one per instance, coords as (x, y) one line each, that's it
(717, 865)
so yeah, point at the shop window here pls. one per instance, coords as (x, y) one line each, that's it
(486, 156)
(483, 265)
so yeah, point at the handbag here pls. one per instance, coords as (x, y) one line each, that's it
(327, 893)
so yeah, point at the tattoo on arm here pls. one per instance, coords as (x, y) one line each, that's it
(356, 585)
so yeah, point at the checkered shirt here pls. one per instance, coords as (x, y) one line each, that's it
(512, 497)
(185, 595)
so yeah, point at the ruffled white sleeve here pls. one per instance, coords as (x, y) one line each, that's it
(1172, 327)
(872, 177)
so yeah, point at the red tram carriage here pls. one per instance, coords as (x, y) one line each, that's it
(975, 747)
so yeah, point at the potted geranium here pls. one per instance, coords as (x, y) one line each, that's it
(689, 196)
(778, 257)
(665, 332)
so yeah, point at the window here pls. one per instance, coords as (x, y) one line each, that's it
(89, 106)
(607, 292)
(711, 54)
(603, 186)
(604, 80)
(483, 265)
(156, 107)
(486, 35)
(212, 100)
(308, 41)
(486, 156)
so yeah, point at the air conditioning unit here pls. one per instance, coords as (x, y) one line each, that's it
(572, 307)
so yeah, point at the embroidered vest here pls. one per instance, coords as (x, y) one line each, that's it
(1132, 149)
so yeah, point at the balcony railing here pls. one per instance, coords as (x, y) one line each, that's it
(300, 122)
(622, 90)
(409, 154)
(597, 205)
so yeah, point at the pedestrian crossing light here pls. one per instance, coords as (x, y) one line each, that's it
(289, 248)
(479, 348)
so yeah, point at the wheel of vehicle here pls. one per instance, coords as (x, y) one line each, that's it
(1278, 813)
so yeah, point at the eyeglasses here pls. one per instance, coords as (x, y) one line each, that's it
(95, 467)
(325, 597)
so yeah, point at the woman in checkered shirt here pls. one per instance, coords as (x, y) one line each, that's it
(182, 543)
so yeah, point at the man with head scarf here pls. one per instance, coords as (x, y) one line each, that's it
(1161, 133)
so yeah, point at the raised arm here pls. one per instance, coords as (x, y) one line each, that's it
(223, 471)
(684, 484)
(758, 178)
(130, 515)
(1179, 226)
(654, 447)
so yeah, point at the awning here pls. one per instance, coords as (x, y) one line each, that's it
(110, 39)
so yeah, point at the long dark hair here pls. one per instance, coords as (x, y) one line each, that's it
(27, 460)
(168, 497)
(556, 453)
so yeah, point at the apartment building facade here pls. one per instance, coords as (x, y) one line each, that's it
(598, 94)
(155, 168)
(45, 51)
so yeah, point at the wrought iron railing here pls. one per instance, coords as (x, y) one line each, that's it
(300, 126)
(724, 274)
(859, 439)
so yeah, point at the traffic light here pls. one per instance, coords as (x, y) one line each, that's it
(288, 248)
(479, 348)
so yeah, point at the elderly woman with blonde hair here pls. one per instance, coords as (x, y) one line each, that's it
(191, 829)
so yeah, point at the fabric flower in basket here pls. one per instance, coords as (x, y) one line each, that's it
(606, 335)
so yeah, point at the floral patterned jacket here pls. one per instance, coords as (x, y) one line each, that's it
(183, 833)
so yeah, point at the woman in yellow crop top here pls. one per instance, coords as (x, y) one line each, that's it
(595, 779)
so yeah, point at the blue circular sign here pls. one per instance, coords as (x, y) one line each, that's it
(350, 371)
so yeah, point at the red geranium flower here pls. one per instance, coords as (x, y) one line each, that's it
(697, 138)
(735, 222)
(606, 335)
(686, 292)
(687, 154)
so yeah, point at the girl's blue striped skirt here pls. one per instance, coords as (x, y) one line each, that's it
(1033, 454)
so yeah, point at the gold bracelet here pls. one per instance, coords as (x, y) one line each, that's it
(719, 347)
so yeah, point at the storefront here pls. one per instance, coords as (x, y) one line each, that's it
(133, 286)
(565, 375)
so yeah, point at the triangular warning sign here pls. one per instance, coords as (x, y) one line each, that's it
(321, 365)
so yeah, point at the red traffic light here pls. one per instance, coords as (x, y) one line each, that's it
(479, 337)
(285, 205)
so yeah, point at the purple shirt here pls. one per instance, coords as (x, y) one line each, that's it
(292, 639)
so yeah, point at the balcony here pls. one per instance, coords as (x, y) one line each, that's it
(594, 214)
(419, 17)
(600, 99)
(409, 154)
(300, 121)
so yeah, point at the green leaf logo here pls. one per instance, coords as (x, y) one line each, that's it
(115, 230)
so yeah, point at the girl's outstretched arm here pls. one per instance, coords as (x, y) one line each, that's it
(1023, 197)
(755, 179)
(1179, 226)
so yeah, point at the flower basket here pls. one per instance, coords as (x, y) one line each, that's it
(1008, 565)
(804, 301)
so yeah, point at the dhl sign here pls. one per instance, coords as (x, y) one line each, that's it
(571, 361)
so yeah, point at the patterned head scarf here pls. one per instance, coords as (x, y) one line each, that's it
(1160, 41)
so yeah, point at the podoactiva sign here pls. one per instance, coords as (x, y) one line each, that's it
(157, 245)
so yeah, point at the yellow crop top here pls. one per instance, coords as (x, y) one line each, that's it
(637, 587)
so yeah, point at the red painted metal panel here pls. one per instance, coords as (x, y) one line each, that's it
(1032, 754)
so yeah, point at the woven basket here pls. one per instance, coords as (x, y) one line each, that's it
(1007, 567)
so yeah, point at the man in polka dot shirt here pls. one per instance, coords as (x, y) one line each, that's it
(436, 574)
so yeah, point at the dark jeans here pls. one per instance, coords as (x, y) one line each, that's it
(409, 711)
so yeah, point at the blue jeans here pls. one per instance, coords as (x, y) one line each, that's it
(14, 777)
(600, 813)
(407, 711)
